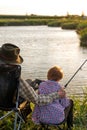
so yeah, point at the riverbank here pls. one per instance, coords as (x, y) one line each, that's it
(72, 22)
(27, 20)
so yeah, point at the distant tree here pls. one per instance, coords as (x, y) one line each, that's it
(68, 14)
(82, 15)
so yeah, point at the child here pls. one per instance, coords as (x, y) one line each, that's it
(52, 113)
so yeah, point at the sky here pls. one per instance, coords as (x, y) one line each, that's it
(43, 7)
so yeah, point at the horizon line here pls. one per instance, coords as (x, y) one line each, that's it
(41, 15)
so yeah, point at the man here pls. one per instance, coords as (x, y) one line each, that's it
(9, 54)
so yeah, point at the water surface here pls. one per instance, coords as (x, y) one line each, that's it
(43, 47)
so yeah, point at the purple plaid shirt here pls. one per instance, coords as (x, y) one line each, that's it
(52, 113)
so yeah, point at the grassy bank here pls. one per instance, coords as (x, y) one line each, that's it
(80, 118)
(12, 20)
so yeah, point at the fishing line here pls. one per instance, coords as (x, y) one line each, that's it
(75, 73)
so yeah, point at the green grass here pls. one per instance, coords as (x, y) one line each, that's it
(80, 118)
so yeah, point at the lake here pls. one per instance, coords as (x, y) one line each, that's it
(43, 47)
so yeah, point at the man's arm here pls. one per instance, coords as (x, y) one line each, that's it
(27, 92)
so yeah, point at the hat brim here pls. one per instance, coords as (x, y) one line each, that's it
(17, 61)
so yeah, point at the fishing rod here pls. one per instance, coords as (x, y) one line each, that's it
(75, 73)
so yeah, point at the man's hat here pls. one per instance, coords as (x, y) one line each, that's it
(9, 54)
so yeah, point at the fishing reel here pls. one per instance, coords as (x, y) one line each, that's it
(34, 83)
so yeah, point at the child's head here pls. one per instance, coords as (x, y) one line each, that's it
(55, 73)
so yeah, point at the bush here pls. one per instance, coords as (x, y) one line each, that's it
(83, 37)
(69, 25)
(81, 26)
(54, 24)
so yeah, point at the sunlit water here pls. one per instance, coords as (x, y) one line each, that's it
(43, 47)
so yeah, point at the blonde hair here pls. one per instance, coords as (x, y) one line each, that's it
(55, 73)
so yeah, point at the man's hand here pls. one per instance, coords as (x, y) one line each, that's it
(62, 93)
